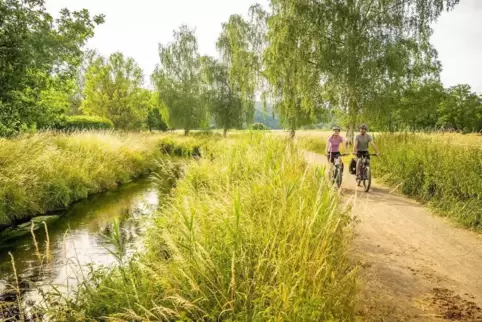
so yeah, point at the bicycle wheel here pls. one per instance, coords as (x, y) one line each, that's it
(339, 178)
(334, 177)
(367, 180)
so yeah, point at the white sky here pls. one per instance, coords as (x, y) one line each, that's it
(137, 27)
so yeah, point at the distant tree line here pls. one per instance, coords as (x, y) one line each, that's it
(353, 61)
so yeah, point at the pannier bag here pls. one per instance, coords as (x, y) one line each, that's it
(352, 167)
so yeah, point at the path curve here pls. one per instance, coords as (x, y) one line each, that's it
(415, 266)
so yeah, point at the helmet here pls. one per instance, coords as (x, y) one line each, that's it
(336, 128)
(364, 126)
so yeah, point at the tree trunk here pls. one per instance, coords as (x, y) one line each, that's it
(352, 113)
(350, 134)
(225, 132)
(186, 132)
(292, 133)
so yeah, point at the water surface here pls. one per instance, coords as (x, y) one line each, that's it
(77, 238)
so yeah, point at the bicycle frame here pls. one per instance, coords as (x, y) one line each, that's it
(365, 162)
(365, 171)
(336, 172)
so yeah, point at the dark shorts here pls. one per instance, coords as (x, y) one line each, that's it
(359, 154)
(332, 156)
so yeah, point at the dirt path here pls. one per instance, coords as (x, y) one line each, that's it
(414, 266)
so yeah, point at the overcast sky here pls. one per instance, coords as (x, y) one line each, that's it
(136, 27)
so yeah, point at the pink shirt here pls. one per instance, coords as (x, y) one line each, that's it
(334, 145)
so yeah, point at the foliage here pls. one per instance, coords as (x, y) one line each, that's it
(182, 147)
(413, 107)
(461, 110)
(88, 58)
(48, 171)
(258, 127)
(296, 86)
(427, 106)
(224, 100)
(85, 122)
(113, 90)
(155, 121)
(178, 81)
(445, 175)
(38, 61)
(349, 52)
(250, 233)
(240, 45)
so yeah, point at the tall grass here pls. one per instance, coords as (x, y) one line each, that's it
(314, 144)
(251, 233)
(49, 171)
(447, 176)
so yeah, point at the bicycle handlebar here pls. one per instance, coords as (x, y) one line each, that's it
(369, 154)
(341, 154)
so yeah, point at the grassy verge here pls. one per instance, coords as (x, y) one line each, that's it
(444, 171)
(49, 171)
(251, 233)
(448, 177)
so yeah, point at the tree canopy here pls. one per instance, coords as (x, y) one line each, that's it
(223, 99)
(178, 80)
(39, 56)
(113, 90)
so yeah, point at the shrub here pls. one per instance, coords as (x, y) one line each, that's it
(86, 122)
(258, 127)
(180, 148)
(155, 120)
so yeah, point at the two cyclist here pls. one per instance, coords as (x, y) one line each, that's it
(362, 142)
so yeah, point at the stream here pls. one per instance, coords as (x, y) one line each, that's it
(77, 238)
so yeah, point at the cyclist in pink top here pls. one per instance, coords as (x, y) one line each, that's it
(333, 146)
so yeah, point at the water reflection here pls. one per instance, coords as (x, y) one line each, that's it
(76, 238)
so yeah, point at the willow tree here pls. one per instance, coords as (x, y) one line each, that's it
(350, 49)
(295, 82)
(222, 97)
(241, 46)
(178, 81)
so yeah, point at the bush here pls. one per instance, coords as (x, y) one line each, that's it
(258, 127)
(181, 146)
(252, 234)
(432, 170)
(155, 120)
(86, 122)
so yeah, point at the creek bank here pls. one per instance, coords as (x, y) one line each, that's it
(62, 169)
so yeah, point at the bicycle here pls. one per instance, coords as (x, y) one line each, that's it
(365, 172)
(337, 171)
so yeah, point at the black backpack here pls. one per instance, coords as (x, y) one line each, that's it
(352, 167)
